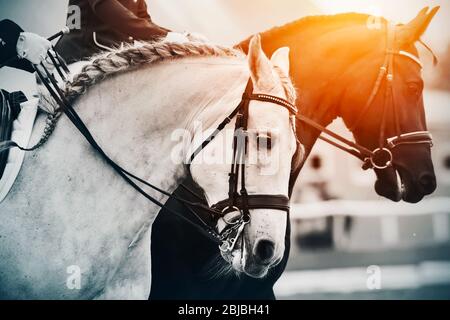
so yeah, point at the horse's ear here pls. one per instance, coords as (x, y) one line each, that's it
(280, 58)
(411, 32)
(259, 64)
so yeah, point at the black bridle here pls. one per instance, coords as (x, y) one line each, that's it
(382, 157)
(238, 198)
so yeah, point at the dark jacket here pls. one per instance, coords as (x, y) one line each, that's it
(9, 34)
(107, 23)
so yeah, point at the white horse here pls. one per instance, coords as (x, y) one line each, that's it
(71, 228)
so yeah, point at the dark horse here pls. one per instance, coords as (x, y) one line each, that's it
(335, 61)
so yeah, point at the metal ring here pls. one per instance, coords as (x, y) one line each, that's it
(388, 161)
(224, 246)
(231, 209)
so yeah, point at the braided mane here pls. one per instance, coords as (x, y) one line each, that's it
(143, 53)
(131, 57)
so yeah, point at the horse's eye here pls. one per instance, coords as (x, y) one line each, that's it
(264, 141)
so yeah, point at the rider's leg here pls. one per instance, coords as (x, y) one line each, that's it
(9, 111)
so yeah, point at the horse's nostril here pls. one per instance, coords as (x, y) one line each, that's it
(427, 183)
(265, 251)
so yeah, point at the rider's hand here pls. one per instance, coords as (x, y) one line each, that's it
(32, 47)
(48, 64)
(176, 37)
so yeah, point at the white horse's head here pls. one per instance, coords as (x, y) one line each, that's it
(271, 146)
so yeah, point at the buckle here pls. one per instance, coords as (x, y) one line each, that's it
(224, 246)
(382, 158)
(235, 219)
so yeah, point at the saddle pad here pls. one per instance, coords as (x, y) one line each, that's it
(21, 134)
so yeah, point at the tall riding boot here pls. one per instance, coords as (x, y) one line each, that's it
(5, 127)
(9, 111)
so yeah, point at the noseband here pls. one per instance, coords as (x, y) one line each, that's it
(382, 157)
(238, 198)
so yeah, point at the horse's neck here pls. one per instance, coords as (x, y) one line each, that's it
(136, 115)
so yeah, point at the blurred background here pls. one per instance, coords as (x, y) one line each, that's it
(340, 227)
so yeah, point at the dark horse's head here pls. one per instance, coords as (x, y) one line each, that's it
(391, 112)
(335, 63)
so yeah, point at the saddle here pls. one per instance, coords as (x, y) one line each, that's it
(9, 111)
(17, 116)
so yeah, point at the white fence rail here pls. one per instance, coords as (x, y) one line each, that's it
(377, 208)
(351, 280)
